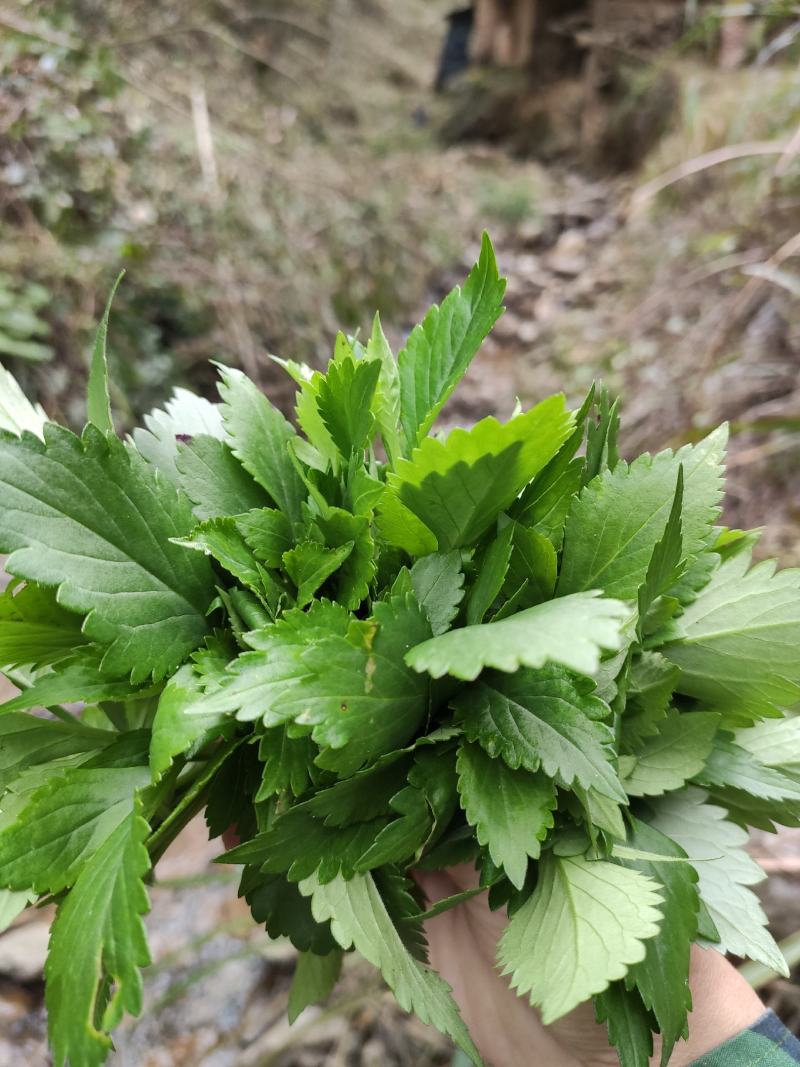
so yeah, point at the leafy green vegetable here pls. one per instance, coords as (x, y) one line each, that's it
(502, 646)
(715, 848)
(99, 401)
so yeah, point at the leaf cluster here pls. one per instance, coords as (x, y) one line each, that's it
(367, 648)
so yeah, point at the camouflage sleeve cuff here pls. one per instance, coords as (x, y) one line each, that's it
(766, 1044)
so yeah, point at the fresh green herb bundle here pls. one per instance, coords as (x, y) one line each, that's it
(370, 648)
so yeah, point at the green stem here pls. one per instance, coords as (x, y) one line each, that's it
(758, 975)
(191, 803)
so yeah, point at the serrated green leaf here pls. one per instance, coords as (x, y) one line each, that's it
(284, 911)
(221, 539)
(715, 848)
(214, 480)
(174, 732)
(651, 684)
(364, 795)
(399, 526)
(398, 841)
(184, 416)
(458, 487)
(571, 631)
(729, 766)
(298, 845)
(672, 756)
(268, 533)
(736, 645)
(309, 565)
(17, 413)
(584, 925)
(492, 571)
(313, 981)
(359, 919)
(438, 583)
(287, 762)
(662, 977)
(511, 810)
(73, 680)
(97, 947)
(28, 741)
(666, 563)
(614, 525)
(344, 400)
(352, 580)
(362, 701)
(259, 437)
(387, 395)
(98, 399)
(34, 629)
(601, 438)
(775, 744)
(63, 823)
(439, 351)
(543, 719)
(629, 1024)
(90, 516)
(534, 562)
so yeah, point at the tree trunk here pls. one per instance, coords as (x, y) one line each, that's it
(503, 32)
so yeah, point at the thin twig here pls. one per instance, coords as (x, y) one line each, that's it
(707, 161)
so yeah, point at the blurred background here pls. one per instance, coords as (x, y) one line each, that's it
(268, 171)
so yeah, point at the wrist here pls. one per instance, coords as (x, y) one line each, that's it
(723, 1005)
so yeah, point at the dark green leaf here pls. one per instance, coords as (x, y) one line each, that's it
(545, 719)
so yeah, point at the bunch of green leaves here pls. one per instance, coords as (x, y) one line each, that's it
(369, 648)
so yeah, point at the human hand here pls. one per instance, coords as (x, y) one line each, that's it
(509, 1033)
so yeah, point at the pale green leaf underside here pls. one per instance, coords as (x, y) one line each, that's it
(572, 631)
(359, 919)
(674, 755)
(17, 413)
(737, 644)
(184, 415)
(715, 847)
(584, 925)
